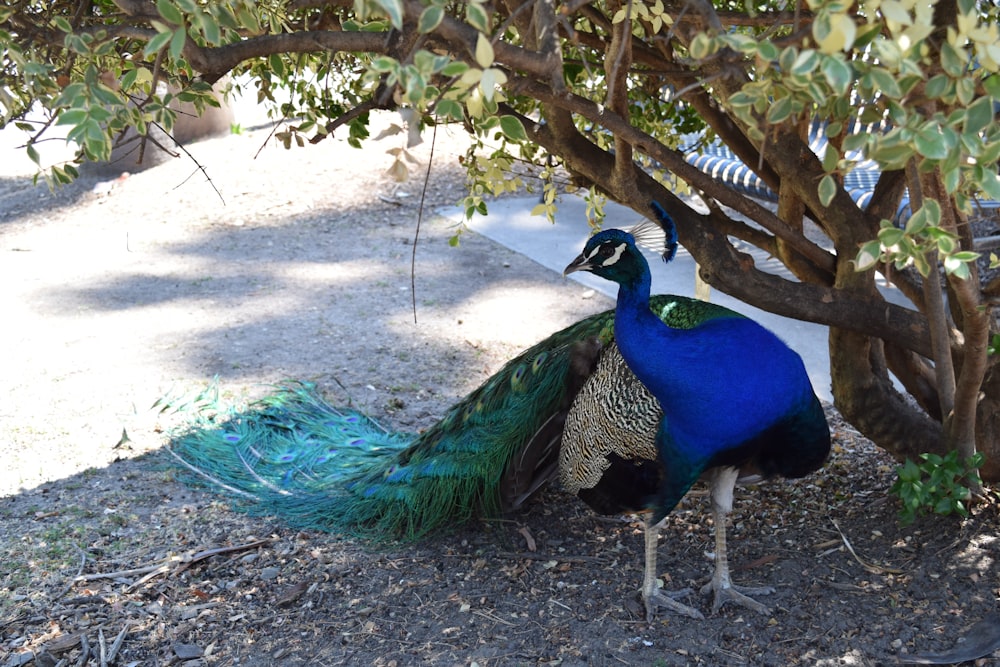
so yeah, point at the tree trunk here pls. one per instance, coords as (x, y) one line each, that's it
(864, 395)
(988, 424)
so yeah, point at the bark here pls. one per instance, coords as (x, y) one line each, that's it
(988, 424)
(865, 396)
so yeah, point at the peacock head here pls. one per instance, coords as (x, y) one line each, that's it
(610, 254)
(613, 254)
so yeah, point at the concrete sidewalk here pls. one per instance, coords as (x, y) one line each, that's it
(511, 224)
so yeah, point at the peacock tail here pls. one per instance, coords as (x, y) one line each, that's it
(316, 466)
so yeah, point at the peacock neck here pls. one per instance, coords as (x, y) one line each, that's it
(661, 357)
(634, 321)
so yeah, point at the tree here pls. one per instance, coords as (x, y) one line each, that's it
(606, 90)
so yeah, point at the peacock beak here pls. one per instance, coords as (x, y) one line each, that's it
(581, 263)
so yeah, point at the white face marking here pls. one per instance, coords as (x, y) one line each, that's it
(610, 260)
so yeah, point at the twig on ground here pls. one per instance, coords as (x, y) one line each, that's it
(117, 643)
(874, 569)
(172, 565)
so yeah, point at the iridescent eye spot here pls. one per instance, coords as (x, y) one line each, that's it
(357, 442)
(353, 419)
(518, 376)
(286, 458)
(232, 437)
(536, 365)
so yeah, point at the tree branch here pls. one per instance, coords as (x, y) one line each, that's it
(617, 61)
(730, 270)
(215, 62)
(674, 162)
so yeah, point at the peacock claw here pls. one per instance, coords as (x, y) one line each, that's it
(666, 600)
(737, 595)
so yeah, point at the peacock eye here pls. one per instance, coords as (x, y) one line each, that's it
(605, 251)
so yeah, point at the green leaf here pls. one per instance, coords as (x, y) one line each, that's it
(211, 29)
(741, 99)
(62, 24)
(838, 74)
(170, 12)
(384, 64)
(930, 142)
(454, 68)
(868, 256)
(100, 114)
(952, 179)
(932, 209)
(990, 183)
(830, 158)
(992, 86)
(177, 43)
(835, 33)
(276, 65)
(855, 142)
(157, 43)
(779, 111)
(767, 51)
(128, 79)
(394, 10)
(978, 115)
(910, 471)
(965, 90)
(484, 51)
(939, 86)
(892, 155)
(890, 236)
(492, 78)
(449, 109)
(895, 11)
(944, 506)
(957, 264)
(477, 17)
(827, 189)
(702, 46)
(805, 63)
(72, 117)
(430, 19)
(946, 244)
(512, 128)
(917, 222)
(953, 61)
(883, 81)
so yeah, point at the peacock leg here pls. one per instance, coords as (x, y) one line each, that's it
(652, 595)
(723, 482)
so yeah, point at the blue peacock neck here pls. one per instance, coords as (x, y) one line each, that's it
(638, 331)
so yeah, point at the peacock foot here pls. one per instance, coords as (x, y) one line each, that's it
(665, 599)
(737, 595)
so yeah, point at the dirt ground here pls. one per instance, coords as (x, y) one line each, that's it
(119, 294)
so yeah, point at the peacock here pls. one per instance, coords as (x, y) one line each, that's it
(718, 395)
(736, 404)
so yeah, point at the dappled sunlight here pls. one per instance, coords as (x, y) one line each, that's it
(514, 313)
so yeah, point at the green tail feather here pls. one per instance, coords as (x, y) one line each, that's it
(316, 466)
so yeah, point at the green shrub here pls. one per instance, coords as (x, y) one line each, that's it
(935, 486)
